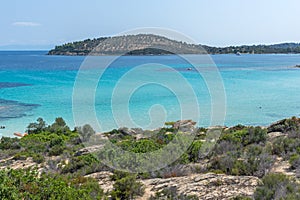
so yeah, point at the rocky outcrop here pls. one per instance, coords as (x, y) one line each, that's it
(184, 125)
(17, 164)
(88, 150)
(282, 166)
(274, 135)
(103, 179)
(205, 186)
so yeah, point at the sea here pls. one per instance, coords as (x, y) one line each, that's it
(146, 91)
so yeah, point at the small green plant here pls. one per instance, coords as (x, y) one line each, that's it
(241, 198)
(27, 184)
(169, 123)
(126, 186)
(277, 186)
(295, 161)
(171, 193)
(38, 158)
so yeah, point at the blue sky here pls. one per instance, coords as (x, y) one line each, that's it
(41, 24)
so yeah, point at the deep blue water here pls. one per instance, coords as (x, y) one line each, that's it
(260, 89)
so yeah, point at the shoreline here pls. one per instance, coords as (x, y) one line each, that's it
(234, 160)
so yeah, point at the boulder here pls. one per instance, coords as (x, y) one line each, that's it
(184, 125)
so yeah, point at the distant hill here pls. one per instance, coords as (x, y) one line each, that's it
(149, 44)
(142, 44)
(283, 48)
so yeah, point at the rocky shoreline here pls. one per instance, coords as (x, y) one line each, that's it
(199, 179)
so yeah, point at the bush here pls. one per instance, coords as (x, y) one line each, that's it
(169, 123)
(241, 198)
(277, 186)
(36, 127)
(26, 184)
(285, 125)
(81, 164)
(194, 151)
(59, 126)
(56, 140)
(252, 160)
(38, 158)
(56, 150)
(172, 194)
(245, 136)
(23, 155)
(85, 132)
(9, 143)
(126, 187)
(283, 146)
(139, 146)
(295, 161)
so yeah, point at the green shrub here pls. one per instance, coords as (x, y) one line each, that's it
(83, 163)
(127, 187)
(36, 127)
(56, 150)
(241, 198)
(85, 132)
(9, 143)
(217, 171)
(194, 151)
(26, 184)
(38, 158)
(171, 193)
(295, 161)
(169, 123)
(59, 126)
(56, 140)
(139, 146)
(277, 186)
(245, 136)
(23, 155)
(283, 146)
(285, 125)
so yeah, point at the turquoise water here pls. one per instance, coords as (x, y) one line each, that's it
(260, 89)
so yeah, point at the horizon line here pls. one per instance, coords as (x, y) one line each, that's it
(15, 46)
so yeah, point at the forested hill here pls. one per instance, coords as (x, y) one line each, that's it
(283, 48)
(142, 44)
(148, 44)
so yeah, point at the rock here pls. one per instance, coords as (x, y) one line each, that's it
(126, 131)
(130, 131)
(206, 186)
(273, 135)
(89, 149)
(184, 125)
(282, 166)
(103, 179)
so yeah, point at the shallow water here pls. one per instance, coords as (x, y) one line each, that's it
(260, 89)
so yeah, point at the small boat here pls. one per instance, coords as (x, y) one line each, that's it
(238, 53)
(20, 134)
(189, 69)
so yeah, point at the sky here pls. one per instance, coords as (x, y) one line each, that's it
(42, 24)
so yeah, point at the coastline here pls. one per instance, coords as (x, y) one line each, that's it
(43, 153)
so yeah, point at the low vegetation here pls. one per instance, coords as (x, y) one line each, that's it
(61, 163)
(27, 184)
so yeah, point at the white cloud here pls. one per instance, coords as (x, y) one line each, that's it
(25, 24)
